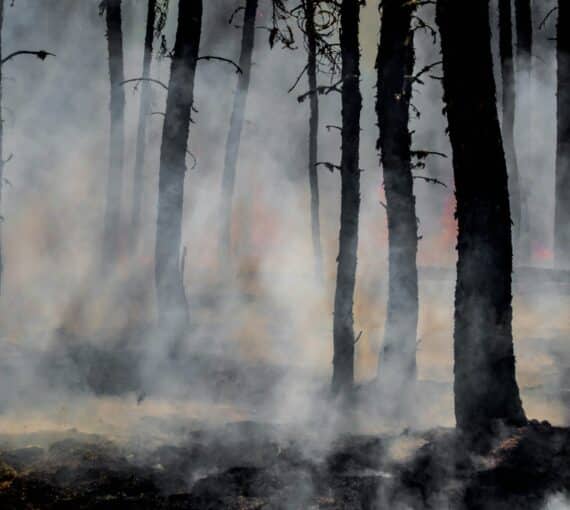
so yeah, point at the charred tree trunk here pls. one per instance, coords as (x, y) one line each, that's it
(562, 212)
(523, 19)
(111, 233)
(144, 111)
(171, 301)
(485, 386)
(313, 136)
(1, 149)
(395, 66)
(234, 135)
(343, 327)
(508, 127)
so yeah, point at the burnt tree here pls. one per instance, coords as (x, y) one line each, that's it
(508, 100)
(234, 135)
(172, 307)
(111, 226)
(485, 387)
(343, 324)
(1, 148)
(562, 205)
(395, 66)
(144, 111)
(311, 35)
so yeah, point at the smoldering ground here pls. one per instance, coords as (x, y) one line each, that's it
(259, 350)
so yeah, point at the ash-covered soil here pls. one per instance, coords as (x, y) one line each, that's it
(250, 465)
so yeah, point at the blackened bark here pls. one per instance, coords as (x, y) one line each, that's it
(111, 233)
(523, 19)
(313, 136)
(1, 149)
(144, 111)
(343, 327)
(395, 66)
(562, 207)
(508, 127)
(485, 386)
(234, 135)
(172, 310)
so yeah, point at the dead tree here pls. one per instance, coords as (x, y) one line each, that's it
(1, 148)
(172, 307)
(508, 125)
(395, 67)
(111, 226)
(343, 324)
(485, 387)
(144, 112)
(562, 206)
(313, 134)
(234, 135)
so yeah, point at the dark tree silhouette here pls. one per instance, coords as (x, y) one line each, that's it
(395, 66)
(523, 19)
(234, 135)
(508, 126)
(343, 325)
(144, 112)
(311, 35)
(1, 148)
(172, 307)
(562, 207)
(485, 386)
(111, 232)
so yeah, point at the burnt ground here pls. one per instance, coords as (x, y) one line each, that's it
(251, 465)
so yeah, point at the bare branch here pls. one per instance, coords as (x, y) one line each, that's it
(298, 79)
(431, 180)
(329, 166)
(152, 80)
(41, 54)
(222, 59)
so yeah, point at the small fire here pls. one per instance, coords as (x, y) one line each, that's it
(542, 253)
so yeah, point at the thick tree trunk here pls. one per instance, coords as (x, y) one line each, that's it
(313, 136)
(562, 212)
(523, 19)
(171, 302)
(111, 233)
(144, 111)
(343, 327)
(1, 150)
(395, 66)
(508, 127)
(485, 386)
(234, 135)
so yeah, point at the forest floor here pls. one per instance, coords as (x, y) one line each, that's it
(250, 465)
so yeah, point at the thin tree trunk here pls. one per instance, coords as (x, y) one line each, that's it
(395, 66)
(234, 135)
(485, 387)
(173, 312)
(313, 136)
(144, 111)
(562, 207)
(1, 149)
(343, 326)
(523, 19)
(111, 233)
(508, 127)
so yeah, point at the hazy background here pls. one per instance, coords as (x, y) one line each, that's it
(56, 125)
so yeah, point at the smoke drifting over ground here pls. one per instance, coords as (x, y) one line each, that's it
(261, 348)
